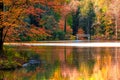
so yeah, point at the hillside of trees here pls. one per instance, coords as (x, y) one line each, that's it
(37, 20)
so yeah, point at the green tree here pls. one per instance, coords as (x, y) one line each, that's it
(75, 19)
(90, 18)
(84, 17)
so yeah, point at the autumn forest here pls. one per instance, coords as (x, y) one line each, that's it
(35, 20)
(26, 24)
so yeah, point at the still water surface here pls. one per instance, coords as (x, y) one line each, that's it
(69, 63)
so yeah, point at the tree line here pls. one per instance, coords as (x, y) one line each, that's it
(35, 20)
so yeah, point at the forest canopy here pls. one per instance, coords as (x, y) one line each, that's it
(36, 20)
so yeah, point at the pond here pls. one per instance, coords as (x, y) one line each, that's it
(68, 63)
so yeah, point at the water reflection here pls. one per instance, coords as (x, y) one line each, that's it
(70, 63)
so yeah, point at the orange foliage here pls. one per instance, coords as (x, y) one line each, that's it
(13, 35)
(61, 26)
(33, 32)
(34, 11)
(80, 31)
(65, 10)
(16, 11)
(38, 31)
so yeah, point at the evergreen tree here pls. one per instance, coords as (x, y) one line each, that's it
(75, 23)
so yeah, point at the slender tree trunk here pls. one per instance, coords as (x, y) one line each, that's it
(89, 29)
(116, 26)
(1, 41)
(65, 24)
(1, 48)
(1, 29)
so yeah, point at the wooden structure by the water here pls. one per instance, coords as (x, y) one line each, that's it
(82, 35)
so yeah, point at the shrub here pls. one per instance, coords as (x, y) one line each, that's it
(58, 35)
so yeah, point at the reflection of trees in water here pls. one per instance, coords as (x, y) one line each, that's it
(81, 55)
(1, 75)
(117, 68)
(65, 56)
(107, 63)
(103, 62)
(77, 63)
(75, 57)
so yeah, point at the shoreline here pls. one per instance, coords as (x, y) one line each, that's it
(67, 44)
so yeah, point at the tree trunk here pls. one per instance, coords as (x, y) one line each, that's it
(1, 30)
(65, 24)
(116, 27)
(1, 41)
(1, 48)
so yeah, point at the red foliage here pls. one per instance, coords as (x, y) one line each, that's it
(34, 11)
(61, 26)
(35, 32)
(80, 31)
(65, 10)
